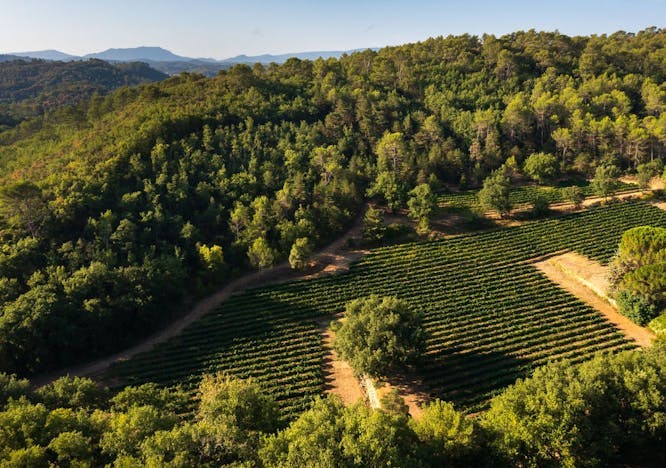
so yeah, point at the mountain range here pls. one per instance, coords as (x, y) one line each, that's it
(168, 62)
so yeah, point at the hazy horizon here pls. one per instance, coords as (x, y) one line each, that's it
(223, 29)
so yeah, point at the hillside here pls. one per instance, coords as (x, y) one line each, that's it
(204, 178)
(31, 87)
(121, 210)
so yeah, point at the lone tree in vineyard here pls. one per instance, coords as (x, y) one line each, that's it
(495, 193)
(380, 334)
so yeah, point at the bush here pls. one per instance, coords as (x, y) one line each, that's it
(540, 205)
(658, 325)
(574, 194)
(636, 307)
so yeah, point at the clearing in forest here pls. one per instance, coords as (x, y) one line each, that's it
(490, 316)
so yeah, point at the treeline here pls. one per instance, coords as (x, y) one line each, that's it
(118, 207)
(605, 412)
(29, 88)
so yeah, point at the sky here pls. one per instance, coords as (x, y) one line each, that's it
(221, 29)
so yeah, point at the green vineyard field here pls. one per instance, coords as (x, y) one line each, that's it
(490, 316)
(525, 194)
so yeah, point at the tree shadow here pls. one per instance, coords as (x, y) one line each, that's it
(468, 378)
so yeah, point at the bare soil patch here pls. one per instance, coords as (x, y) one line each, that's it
(586, 279)
(660, 205)
(339, 377)
(410, 388)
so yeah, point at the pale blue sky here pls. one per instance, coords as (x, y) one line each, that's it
(220, 29)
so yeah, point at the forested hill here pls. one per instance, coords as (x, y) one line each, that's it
(117, 208)
(30, 87)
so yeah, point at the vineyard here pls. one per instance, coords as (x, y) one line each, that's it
(490, 316)
(525, 194)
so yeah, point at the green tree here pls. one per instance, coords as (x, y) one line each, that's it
(261, 254)
(391, 154)
(241, 403)
(573, 194)
(447, 436)
(374, 228)
(495, 193)
(392, 190)
(300, 253)
(422, 202)
(330, 434)
(604, 183)
(22, 204)
(646, 172)
(379, 335)
(541, 167)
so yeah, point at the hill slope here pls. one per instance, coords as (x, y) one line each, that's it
(29, 87)
(117, 210)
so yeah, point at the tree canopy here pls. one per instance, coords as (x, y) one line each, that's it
(379, 335)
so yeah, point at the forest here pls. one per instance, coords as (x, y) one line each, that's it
(29, 88)
(119, 210)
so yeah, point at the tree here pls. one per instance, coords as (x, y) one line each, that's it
(646, 171)
(447, 436)
(391, 154)
(374, 229)
(379, 335)
(604, 183)
(573, 194)
(300, 252)
(213, 259)
(330, 434)
(638, 273)
(563, 140)
(541, 167)
(22, 204)
(241, 403)
(260, 254)
(495, 193)
(593, 414)
(392, 190)
(422, 202)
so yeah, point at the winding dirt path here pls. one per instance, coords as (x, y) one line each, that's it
(332, 259)
(586, 279)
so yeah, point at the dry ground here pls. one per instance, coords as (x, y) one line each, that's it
(339, 377)
(586, 279)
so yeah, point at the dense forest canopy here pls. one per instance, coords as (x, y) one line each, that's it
(605, 412)
(118, 207)
(31, 87)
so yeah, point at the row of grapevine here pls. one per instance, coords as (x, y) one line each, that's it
(525, 194)
(490, 316)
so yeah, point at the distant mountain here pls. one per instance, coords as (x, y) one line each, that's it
(170, 63)
(47, 55)
(281, 58)
(155, 54)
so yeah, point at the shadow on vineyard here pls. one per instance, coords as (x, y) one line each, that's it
(490, 316)
(464, 376)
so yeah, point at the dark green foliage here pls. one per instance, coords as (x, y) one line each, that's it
(636, 307)
(541, 167)
(134, 182)
(604, 412)
(330, 434)
(379, 335)
(638, 273)
(495, 193)
(374, 228)
(30, 87)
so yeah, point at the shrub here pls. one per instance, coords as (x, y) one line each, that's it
(636, 307)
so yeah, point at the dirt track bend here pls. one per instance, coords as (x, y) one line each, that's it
(334, 258)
